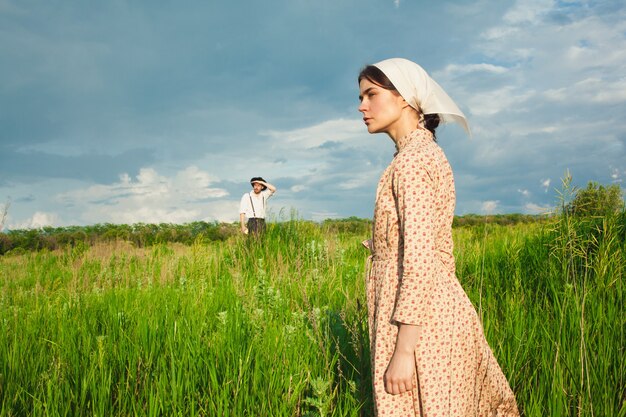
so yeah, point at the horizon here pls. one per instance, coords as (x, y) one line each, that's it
(274, 220)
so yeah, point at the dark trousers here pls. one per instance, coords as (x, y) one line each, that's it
(256, 226)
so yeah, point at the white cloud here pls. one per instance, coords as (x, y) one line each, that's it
(152, 215)
(149, 186)
(557, 49)
(150, 198)
(454, 69)
(533, 208)
(528, 11)
(354, 183)
(610, 92)
(344, 130)
(37, 221)
(338, 154)
(298, 188)
(499, 32)
(558, 105)
(616, 175)
(321, 215)
(490, 206)
(593, 90)
(507, 98)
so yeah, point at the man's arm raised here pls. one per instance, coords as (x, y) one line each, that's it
(269, 186)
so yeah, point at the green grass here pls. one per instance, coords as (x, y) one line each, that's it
(238, 329)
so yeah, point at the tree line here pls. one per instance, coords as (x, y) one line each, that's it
(139, 234)
(593, 203)
(146, 234)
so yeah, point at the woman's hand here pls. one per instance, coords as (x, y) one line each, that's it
(400, 374)
(399, 377)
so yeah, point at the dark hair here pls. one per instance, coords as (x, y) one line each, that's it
(256, 179)
(375, 75)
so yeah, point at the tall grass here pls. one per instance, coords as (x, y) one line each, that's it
(234, 328)
(278, 327)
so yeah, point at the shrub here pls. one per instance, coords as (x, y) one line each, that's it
(596, 200)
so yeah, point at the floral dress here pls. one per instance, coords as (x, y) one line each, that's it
(412, 280)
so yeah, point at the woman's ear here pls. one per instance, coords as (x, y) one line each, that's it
(414, 114)
(405, 103)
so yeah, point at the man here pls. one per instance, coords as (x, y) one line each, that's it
(253, 205)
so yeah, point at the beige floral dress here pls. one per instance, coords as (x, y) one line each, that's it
(412, 280)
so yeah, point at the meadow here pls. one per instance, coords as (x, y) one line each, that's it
(234, 328)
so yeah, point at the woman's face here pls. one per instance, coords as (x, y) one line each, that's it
(381, 108)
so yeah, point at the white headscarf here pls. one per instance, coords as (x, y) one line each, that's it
(420, 91)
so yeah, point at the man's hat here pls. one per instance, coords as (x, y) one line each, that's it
(257, 179)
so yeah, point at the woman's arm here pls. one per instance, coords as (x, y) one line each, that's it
(415, 195)
(414, 191)
(400, 374)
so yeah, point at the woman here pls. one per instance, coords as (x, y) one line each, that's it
(429, 353)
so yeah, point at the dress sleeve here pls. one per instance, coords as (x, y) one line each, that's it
(414, 192)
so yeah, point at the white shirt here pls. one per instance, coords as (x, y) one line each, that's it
(256, 207)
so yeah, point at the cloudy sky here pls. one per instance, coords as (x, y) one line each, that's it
(158, 111)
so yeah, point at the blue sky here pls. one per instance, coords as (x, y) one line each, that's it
(161, 111)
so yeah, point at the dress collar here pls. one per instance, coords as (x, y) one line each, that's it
(418, 134)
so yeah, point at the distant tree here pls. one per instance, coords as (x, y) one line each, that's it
(597, 200)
